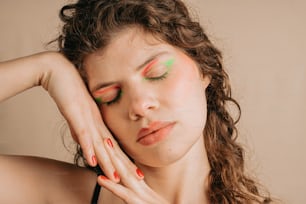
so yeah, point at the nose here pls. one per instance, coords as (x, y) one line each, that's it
(142, 102)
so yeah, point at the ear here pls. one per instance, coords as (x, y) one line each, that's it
(206, 80)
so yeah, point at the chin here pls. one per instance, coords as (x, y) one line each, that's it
(161, 160)
(165, 154)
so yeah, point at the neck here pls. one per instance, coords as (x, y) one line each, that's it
(185, 180)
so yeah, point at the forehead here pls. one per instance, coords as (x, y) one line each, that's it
(128, 48)
(125, 45)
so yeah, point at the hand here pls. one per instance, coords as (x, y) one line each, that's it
(66, 87)
(132, 189)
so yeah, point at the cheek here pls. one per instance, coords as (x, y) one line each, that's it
(118, 127)
(117, 124)
(111, 119)
(185, 96)
(183, 85)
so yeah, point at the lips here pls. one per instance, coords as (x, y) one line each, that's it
(155, 132)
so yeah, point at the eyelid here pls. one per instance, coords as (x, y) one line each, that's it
(112, 95)
(167, 64)
(148, 67)
(115, 99)
(103, 90)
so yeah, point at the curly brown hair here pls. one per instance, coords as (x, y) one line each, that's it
(90, 24)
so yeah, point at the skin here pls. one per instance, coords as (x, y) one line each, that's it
(174, 98)
(173, 167)
(179, 97)
(37, 180)
(60, 79)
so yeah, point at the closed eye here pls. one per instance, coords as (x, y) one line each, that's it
(159, 70)
(108, 96)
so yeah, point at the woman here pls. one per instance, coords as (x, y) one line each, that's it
(162, 92)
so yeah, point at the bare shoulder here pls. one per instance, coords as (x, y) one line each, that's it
(26, 179)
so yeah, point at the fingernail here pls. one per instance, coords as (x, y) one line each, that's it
(139, 173)
(94, 160)
(109, 142)
(116, 176)
(103, 177)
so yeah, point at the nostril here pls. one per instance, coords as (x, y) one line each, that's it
(140, 106)
(134, 116)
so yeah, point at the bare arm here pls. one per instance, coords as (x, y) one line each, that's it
(36, 180)
(60, 78)
(20, 74)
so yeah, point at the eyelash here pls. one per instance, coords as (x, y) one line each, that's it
(115, 100)
(163, 76)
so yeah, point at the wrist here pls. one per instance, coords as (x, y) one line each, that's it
(49, 63)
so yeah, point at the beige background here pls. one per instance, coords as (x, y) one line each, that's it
(264, 48)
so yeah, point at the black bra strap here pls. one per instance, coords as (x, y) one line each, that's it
(96, 193)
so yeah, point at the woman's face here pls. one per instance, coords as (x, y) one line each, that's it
(151, 96)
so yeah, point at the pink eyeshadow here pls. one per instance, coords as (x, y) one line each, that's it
(148, 66)
(98, 92)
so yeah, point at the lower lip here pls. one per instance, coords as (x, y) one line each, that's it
(156, 136)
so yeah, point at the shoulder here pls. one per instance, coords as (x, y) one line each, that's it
(40, 180)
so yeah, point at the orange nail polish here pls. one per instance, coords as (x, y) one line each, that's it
(116, 176)
(139, 173)
(109, 142)
(103, 177)
(94, 160)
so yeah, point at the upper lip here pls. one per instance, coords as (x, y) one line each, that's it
(152, 127)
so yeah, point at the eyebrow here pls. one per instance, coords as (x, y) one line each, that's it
(147, 63)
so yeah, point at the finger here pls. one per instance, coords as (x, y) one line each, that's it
(122, 192)
(104, 160)
(100, 154)
(87, 149)
(123, 157)
(90, 132)
(129, 173)
(73, 135)
(81, 131)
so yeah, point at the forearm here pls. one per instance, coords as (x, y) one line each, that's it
(59, 77)
(23, 73)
